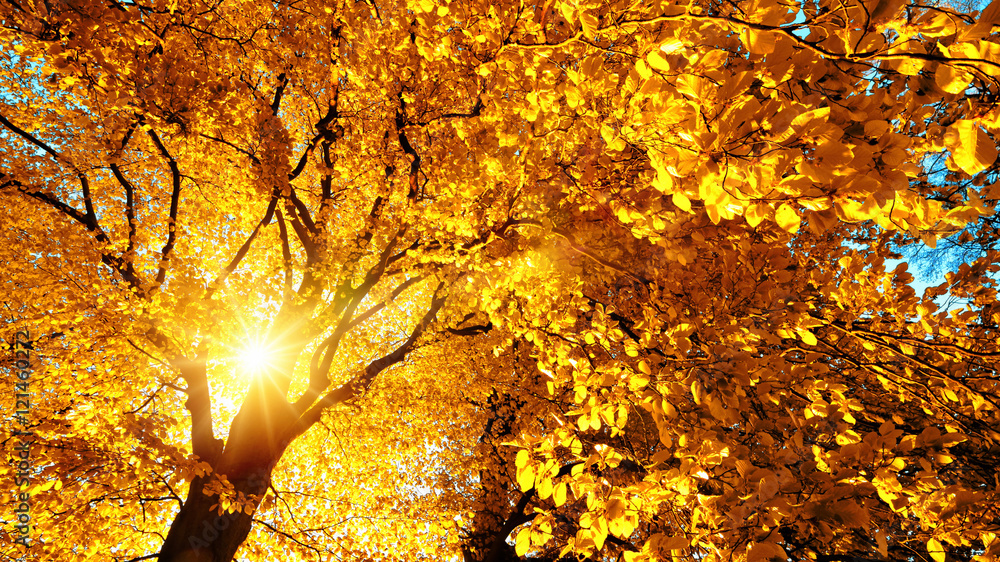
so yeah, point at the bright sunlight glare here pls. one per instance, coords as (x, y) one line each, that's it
(255, 358)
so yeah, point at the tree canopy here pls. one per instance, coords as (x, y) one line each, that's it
(609, 280)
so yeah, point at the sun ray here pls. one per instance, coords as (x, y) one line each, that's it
(256, 357)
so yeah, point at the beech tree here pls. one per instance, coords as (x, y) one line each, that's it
(601, 279)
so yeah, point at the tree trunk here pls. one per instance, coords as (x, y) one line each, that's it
(200, 534)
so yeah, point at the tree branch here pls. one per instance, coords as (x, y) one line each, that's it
(347, 302)
(242, 252)
(404, 143)
(116, 263)
(364, 316)
(175, 177)
(363, 380)
(146, 557)
(84, 182)
(282, 82)
(199, 404)
(286, 257)
(518, 517)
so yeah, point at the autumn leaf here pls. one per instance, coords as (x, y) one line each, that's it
(936, 550)
(681, 201)
(756, 41)
(469, 281)
(523, 542)
(806, 336)
(766, 551)
(657, 61)
(973, 151)
(787, 218)
(951, 79)
(756, 213)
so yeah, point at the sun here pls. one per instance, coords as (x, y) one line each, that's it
(256, 357)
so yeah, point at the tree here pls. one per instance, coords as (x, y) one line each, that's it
(597, 279)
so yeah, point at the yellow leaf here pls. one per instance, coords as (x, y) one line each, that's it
(682, 201)
(951, 79)
(936, 549)
(675, 542)
(526, 478)
(559, 494)
(852, 211)
(756, 213)
(656, 60)
(521, 459)
(974, 151)
(807, 117)
(690, 85)
(757, 42)
(637, 383)
(643, 69)
(644, 367)
(588, 21)
(787, 218)
(545, 488)
(522, 542)
(599, 532)
(807, 337)
(671, 46)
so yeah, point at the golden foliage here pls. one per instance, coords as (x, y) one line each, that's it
(600, 278)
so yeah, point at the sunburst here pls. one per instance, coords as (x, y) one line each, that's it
(256, 357)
